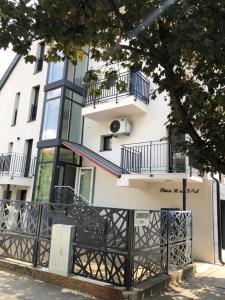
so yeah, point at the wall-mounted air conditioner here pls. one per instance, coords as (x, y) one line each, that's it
(120, 126)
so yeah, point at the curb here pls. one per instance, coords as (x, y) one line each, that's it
(97, 289)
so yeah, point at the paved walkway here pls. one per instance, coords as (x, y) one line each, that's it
(16, 287)
(208, 283)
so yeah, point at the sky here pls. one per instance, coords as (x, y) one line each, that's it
(5, 59)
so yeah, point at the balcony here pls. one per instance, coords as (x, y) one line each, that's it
(155, 161)
(17, 165)
(113, 103)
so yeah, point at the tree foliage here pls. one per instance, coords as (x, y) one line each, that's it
(180, 44)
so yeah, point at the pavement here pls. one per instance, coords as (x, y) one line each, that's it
(17, 287)
(207, 284)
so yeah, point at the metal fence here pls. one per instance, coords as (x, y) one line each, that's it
(136, 84)
(154, 156)
(14, 164)
(108, 246)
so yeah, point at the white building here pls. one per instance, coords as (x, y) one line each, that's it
(115, 150)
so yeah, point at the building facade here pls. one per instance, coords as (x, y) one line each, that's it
(112, 150)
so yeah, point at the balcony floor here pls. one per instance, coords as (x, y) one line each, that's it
(20, 181)
(104, 111)
(141, 180)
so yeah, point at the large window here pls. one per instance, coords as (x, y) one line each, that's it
(76, 73)
(72, 119)
(51, 116)
(44, 175)
(55, 71)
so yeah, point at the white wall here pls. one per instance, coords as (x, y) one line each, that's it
(21, 80)
(146, 127)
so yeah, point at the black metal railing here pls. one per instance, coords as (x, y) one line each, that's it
(33, 113)
(154, 156)
(14, 164)
(110, 244)
(67, 195)
(136, 84)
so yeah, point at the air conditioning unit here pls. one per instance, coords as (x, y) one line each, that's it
(120, 126)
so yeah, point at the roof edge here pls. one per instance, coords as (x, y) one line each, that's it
(9, 70)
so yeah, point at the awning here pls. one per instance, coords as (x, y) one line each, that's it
(95, 158)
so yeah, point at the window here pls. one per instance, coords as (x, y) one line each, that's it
(72, 121)
(106, 143)
(44, 174)
(51, 116)
(15, 111)
(34, 103)
(177, 157)
(40, 57)
(55, 71)
(28, 151)
(10, 147)
(76, 73)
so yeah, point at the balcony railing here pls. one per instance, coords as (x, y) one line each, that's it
(154, 156)
(14, 164)
(136, 85)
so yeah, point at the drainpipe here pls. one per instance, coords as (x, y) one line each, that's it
(218, 219)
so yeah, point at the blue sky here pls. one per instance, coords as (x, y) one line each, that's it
(5, 59)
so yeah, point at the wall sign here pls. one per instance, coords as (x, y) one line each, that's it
(141, 218)
(177, 191)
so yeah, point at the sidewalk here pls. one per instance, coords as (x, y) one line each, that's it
(207, 284)
(17, 287)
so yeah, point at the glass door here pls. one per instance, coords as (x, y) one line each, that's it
(84, 183)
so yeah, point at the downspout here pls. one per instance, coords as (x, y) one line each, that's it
(218, 218)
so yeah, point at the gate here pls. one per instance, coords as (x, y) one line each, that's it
(108, 245)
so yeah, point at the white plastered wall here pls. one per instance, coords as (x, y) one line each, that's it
(146, 127)
(21, 80)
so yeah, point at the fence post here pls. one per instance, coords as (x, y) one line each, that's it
(36, 242)
(129, 263)
(168, 242)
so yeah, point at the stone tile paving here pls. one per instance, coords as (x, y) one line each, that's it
(17, 287)
(207, 284)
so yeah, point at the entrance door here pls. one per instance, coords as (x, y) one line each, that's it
(84, 182)
(223, 223)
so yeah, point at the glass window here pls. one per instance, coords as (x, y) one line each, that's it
(44, 180)
(75, 124)
(76, 73)
(55, 71)
(53, 93)
(74, 96)
(66, 119)
(46, 154)
(106, 143)
(51, 119)
(68, 156)
(70, 72)
(81, 69)
(40, 57)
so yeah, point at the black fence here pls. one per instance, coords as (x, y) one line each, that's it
(14, 164)
(154, 156)
(110, 244)
(136, 84)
